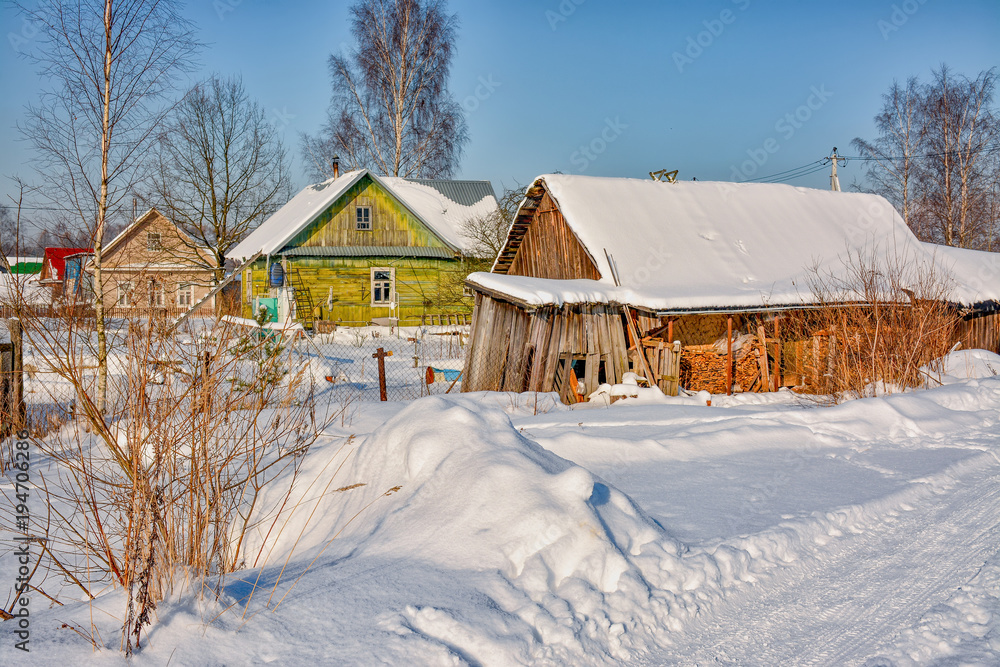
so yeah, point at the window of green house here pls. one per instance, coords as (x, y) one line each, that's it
(363, 218)
(383, 286)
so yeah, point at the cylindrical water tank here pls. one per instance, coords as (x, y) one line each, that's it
(277, 275)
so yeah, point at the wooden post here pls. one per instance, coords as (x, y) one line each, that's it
(381, 354)
(765, 375)
(675, 370)
(670, 331)
(637, 341)
(777, 353)
(6, 392)
(18, 408)
(729, 356)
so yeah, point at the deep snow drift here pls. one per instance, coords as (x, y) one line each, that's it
(508, 529)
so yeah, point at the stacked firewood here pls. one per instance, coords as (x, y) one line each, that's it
(703, 367)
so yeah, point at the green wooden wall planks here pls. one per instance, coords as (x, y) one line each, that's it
(392, 224)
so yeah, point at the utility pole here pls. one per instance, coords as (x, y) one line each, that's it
(833, 160)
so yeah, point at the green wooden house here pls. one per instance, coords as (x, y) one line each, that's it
(363, 248)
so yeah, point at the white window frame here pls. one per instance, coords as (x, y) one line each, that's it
(364, 225)
(185, 292)
(154, 242)
(124, 294)
(157, 298)
(382, 287)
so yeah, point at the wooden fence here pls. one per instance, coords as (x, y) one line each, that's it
(982, 332)
(664, 361)
(87, 312)
(12, 408)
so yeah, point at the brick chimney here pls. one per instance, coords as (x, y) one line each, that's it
(336, 166)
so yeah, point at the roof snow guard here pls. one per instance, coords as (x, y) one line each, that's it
(701, 246)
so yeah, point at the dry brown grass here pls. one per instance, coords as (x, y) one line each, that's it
(885, 321)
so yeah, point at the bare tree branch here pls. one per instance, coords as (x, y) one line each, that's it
(111, 64)
(219, 168)
(937, 157)
(391, 110)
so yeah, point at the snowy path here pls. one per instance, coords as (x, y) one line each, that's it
(753, 535)
(848, 602)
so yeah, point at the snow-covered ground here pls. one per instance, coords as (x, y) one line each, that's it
(504, 529)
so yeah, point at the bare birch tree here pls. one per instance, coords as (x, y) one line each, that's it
(960, 131)
(892, 166)
(110, 65)
(937, 157)
(391, 110)
(220, 168)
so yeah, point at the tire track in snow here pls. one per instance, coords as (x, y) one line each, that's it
(856, 594)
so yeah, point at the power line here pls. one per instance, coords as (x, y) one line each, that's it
(986, 150)
(784, 179)
(820, 165)
(782, 173)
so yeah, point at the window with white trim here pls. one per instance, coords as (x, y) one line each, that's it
(383, 286)
(185, 295)
(125, 293)
(155, 294)
(153, 243)
(363, 218)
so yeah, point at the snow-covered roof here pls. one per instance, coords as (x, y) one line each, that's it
(425, 199)
(977, 273)
(711, 245)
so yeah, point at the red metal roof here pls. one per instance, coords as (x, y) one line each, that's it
(54, 262)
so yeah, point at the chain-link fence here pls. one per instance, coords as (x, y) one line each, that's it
(338, 367)
(387, 363)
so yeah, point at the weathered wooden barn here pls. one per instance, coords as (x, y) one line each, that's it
(361, 247)
(979, 273)
(596, 269)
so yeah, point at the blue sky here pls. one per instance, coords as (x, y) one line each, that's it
(720, 90)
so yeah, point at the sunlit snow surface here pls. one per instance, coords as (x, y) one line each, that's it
(762, 530)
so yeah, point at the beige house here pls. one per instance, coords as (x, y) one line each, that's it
(153, 265)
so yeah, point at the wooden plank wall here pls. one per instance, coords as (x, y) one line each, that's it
(511, 349)
(418, 284)
(392, 225)
(981, 333)
(550, 249)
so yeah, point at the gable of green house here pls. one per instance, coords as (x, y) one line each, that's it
(391, 223)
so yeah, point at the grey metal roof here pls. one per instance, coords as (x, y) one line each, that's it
(368, 251)
(466, 193)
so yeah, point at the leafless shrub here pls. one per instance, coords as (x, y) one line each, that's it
(886, 318)
(164, 486)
